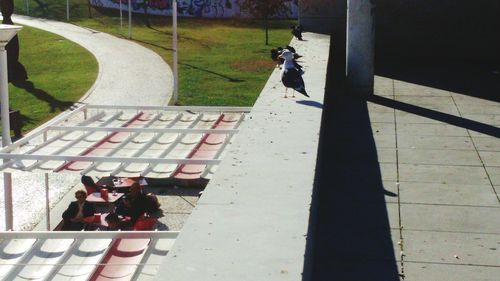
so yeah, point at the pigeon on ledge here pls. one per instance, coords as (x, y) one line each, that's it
(275, 53)
(291, 75)
(297, 31)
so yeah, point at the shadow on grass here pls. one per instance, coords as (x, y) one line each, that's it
(230, 79)
(43, 96)
(148, 43)
(160, 31)
(349, 235)
(42, 8)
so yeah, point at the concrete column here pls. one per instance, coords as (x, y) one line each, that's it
(360, 46)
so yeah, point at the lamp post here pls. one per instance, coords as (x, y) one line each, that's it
(67, 10)
(7, 32)
(129, 19)
(174, 49)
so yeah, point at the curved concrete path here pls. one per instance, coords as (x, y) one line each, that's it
(129, 74)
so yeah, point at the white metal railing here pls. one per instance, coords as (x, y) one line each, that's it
(143, 130)
(40, 130)
(151, 166)
(223, 146)
(174, 108)
(71, 143)
(108, 159)
(124, 142)
(148, 144)
(33, 257)
(87, 234)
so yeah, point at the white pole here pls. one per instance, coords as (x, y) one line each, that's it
(47, 201)
(129, 19)
(28, 7)
(174, 49)
(121, 16)
(4, 108)
(67, 10)
(7, 193)
(4, 99)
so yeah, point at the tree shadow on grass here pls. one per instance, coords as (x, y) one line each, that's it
(43, 96)
(149, 43)
(160, 31)
(230, 79)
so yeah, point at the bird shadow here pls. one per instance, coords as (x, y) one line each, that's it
(43, 96)
(310, 103)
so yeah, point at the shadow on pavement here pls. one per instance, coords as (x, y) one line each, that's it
(475, 79)
(349, 236)
(439, 116)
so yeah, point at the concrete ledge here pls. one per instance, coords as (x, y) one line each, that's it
(251, 223)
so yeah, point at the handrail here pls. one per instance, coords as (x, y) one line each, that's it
(108, 159)
(87, 234)
(143, 130)
(175, 108)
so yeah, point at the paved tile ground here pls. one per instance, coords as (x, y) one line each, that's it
(447, 161)
(177, 204)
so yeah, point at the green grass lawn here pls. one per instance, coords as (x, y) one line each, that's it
(59, 73)
(221, 62)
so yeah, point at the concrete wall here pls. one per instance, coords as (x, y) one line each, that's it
(413, 29)
(322, 16)
(445, 29)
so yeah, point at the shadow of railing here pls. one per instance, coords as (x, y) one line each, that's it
(438, 116)
(349, 235)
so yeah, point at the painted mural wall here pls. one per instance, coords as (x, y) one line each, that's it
(189, 8)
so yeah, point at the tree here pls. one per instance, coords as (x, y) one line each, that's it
(263, 9)
(16, 71)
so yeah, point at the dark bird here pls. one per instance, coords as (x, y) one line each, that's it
(297, 31)
(291, 76)
(291, 49)
(275, 53)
